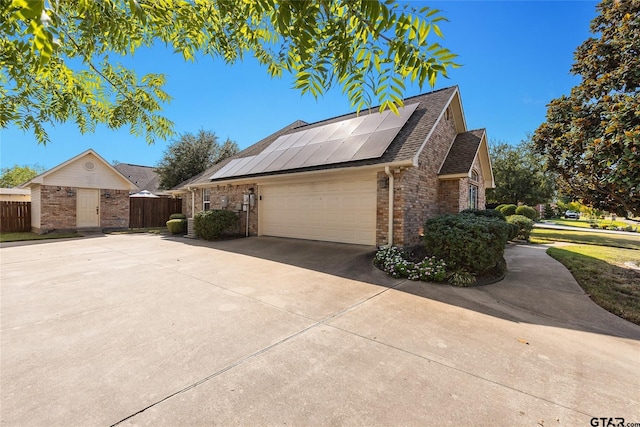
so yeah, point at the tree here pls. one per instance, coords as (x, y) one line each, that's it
(16, 175)
(592, 137)
(191, 155)
(55, 56)
(520, 175)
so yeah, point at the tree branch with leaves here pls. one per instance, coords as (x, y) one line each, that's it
(55, 63)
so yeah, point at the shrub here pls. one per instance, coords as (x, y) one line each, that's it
(512, 231)
(508, 210)
(466, 242)
(461, 278)
(490, 213)
(177, 226)
(527, 211)
(393, 261)
(548, 211)
(177, 216)
(213, 224)
(499, 207)
(525, 225)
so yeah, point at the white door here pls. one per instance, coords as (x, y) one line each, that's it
(335, 211)
(88, 209)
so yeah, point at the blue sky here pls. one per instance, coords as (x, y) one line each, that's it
(516, 57)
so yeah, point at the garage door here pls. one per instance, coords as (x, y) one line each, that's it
(334, 211)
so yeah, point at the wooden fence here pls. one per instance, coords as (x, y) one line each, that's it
(151, 212)
(15, 217)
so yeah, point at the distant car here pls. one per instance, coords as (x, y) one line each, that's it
(572, 215)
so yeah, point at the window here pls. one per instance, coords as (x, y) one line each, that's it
(474, 176)
(473, 197)
(206, 199)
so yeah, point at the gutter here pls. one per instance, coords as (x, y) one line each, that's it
(390, 231)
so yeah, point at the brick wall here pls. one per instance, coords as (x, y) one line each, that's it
(449, 196)
(114, 210)
(58, 210)
(417, 189)
(235, 195)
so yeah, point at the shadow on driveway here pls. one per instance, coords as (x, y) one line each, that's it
(537, 289)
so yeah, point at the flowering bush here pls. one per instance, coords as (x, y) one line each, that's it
(392, 261)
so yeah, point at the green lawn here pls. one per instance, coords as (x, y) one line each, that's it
(547, 235)
(19, 237)
(601, 272)
(584, 223)
(597, 261)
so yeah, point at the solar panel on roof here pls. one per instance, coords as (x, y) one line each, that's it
(357, 138)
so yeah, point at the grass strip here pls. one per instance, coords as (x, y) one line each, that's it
(600, 272)
(586, 223)
(546, 235)
(25, 236)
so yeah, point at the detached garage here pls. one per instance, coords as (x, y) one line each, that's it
(83, 193)
(365, 178)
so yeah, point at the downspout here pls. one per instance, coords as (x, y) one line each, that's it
(390, 231)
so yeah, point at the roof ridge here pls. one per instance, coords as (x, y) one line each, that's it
(371, 109)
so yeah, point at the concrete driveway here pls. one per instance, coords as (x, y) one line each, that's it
(146, 330)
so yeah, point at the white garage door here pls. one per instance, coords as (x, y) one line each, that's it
(334, 211)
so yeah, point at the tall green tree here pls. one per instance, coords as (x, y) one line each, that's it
(190, 155)
(56, 57)
(520, 175)
(592, 137)
(16, 175)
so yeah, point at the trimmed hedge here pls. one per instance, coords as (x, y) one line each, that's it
(177, 226)
(527, 211)
(177, 216)
(466, 242)
(513, 231)
(490, 213)
(213, 224)
(508, 210)
(525, 225)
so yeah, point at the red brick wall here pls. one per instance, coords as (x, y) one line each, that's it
(235, 195)
(114, 210)
(417, 189)
(449, 196)
(58, 210)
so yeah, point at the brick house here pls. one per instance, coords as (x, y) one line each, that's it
(369, 179)
(83, 193)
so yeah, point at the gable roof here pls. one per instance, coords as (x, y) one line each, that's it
(144, 177)
(404, 149)
(40, 178)
(462, 154)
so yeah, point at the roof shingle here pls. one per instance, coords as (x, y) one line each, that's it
(462, 153)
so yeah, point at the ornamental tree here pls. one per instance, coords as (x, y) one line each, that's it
(190, 155)
(591, 138)
(520, 175)
(56, 57)
(16, 175)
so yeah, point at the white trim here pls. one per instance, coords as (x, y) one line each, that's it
(267, 179)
